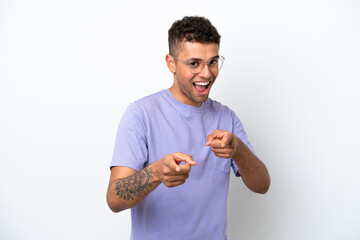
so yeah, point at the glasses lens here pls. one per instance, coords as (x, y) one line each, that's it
(220, 62)
(214, 65)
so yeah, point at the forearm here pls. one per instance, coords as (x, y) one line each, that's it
(253, 171)
(128, 192)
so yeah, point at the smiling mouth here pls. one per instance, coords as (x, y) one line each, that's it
(202, 87)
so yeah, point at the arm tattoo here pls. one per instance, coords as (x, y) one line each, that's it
(133, 186)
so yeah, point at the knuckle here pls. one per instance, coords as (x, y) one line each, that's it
(166, 171)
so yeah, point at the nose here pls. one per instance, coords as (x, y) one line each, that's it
(205, 71)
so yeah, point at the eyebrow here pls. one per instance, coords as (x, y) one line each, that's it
(199, 59)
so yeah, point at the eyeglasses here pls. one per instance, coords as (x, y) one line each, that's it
(196, 65)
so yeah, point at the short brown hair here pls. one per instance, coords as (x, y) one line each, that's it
(191, 29)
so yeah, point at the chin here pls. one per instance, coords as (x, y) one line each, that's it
(202, 99)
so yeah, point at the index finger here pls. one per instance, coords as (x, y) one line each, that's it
(181, 157)
(211, 137)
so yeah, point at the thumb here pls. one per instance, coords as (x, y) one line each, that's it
(226, 140)
(210, 138)
(175, 165)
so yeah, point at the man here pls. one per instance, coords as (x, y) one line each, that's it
(165, 135)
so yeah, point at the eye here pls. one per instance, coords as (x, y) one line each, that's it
(193, 64)
(213, 62)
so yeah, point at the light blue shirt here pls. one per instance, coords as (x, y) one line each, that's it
(157, 125)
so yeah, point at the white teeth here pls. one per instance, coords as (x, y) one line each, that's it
(202, 83)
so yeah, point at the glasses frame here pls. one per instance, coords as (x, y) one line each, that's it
(202, 64)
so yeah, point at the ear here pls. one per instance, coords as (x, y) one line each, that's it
(170, 63)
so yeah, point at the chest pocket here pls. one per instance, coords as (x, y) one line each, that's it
(221, 164)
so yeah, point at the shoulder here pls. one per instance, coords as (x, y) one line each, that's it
(147, 103)
(151, 100)
(148, 108)
(138, 114)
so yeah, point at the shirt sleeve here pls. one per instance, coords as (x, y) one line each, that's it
(130, 148)
(239, 131)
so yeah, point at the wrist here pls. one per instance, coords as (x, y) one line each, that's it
(238, 147)
(155, 172)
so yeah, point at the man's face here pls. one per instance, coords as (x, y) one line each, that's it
(191, 88)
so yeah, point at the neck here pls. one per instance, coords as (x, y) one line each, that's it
(181, 98)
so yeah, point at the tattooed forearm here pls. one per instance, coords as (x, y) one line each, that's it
(133, 186)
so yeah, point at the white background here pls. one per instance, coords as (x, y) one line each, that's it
(68, 70)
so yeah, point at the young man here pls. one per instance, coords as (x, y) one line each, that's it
(174, 149)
